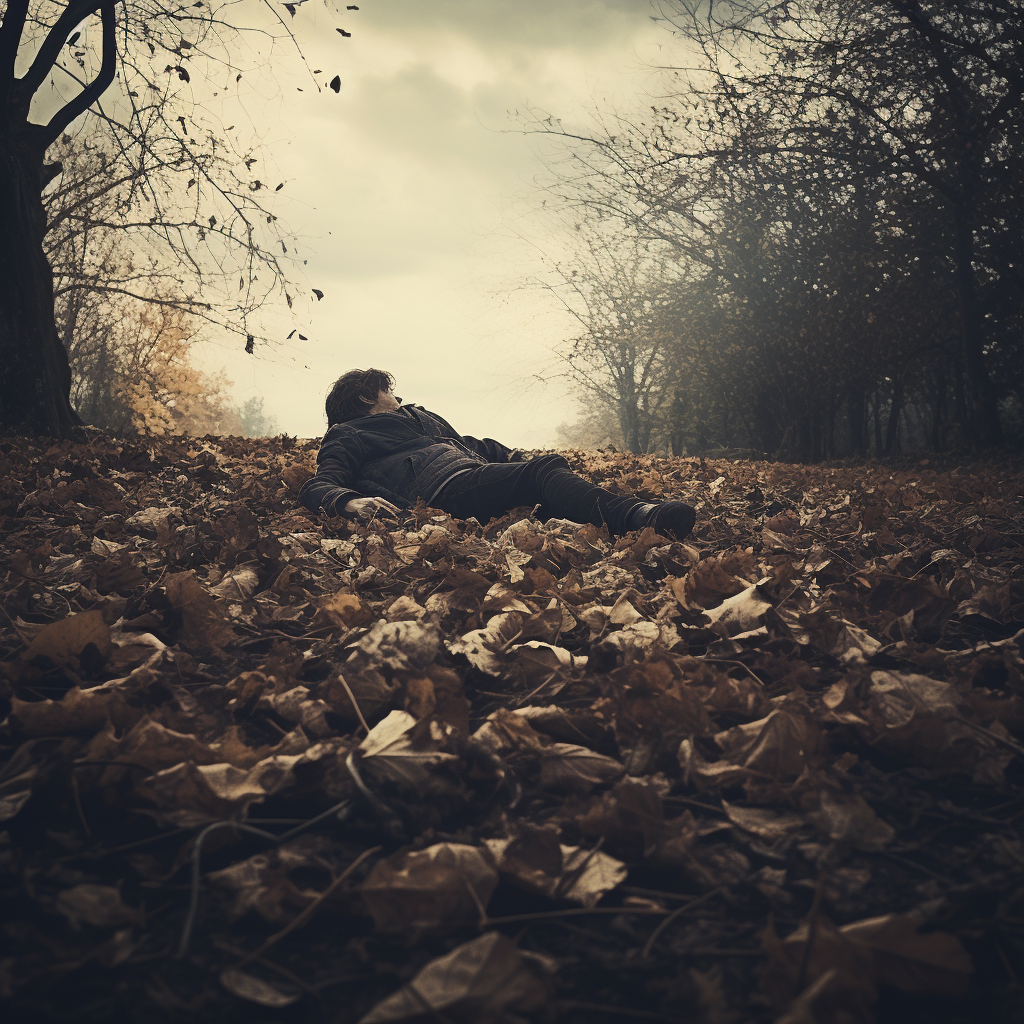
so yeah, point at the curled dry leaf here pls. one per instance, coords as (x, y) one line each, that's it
(486, 979)
(444, 885)
(64, 642)
(401, 751)
(847, 818)
(568, 768)
(98, 905)
(256, 990)
(535, 860)
(763, 823)
(740, 613)
(398, 646)
(261, 883)
(237, 585)
(781, 745)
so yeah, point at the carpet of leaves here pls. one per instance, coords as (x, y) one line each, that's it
(260, 767)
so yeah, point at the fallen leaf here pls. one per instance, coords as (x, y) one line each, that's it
(486, 979)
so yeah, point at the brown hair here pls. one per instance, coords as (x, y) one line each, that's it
(354, 392)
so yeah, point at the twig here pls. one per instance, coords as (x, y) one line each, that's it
(355, 704)
(661, 894)
(907, 862)
(340, 810)
(812, 931)
(391, 821)
(694, 803)
(197, 853)
(550, 915)
(618, 1011)
(481, 909)
(678, 912)
(568, 880)
(78, 805)
(728, 661)
(14, 625)
(270, 965)
(522, 700)
(308, 912)
(994, 736)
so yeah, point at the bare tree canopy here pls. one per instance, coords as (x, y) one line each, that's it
(844, 181)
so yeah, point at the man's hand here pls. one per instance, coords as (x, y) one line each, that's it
(369, 507)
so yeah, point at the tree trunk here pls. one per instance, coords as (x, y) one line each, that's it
(856, 419)
(893, 425)
(987, 430)
(35, 386)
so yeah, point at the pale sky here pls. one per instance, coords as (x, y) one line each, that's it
(413, 198)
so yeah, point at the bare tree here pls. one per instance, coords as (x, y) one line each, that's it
(170, 169)
(617, 289)
(846, 179)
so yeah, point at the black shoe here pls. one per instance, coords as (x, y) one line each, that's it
(673, 519)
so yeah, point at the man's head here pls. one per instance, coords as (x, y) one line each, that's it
(360, 393)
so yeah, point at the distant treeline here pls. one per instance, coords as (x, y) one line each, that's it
(812, 245)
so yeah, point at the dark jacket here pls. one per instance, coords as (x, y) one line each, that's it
(402, 456)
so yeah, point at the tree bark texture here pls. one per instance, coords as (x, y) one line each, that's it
(36, 380)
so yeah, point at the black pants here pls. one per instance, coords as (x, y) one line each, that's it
(489, 491)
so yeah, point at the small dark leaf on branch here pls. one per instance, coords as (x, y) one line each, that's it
(319, 294)
(74, 38)
(302, 337)
(182, 73)
(279, 187)
(347, 35)
(290, 8)
(290, 336)
(250, 343)
(191, 182)
(336, 80)
(351, 7)
(213, 221)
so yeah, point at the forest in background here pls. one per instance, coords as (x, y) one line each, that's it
(810, 246)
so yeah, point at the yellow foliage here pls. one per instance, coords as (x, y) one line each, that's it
(165, 391)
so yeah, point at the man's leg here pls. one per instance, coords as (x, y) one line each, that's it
(491, 490)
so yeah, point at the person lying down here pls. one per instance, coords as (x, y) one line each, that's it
(380, 457)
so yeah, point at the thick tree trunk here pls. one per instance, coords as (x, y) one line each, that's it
(35, 384)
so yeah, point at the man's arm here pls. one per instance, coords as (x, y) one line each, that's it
(487, 447)
(337, 466)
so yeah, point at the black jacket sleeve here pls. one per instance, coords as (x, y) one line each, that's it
(487, 448)
(337, 466)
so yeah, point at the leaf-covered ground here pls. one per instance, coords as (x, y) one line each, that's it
(262, 767)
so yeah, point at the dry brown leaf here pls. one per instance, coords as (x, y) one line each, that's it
(442, 886)
(486, 979)
(98, 905)
(256, 990)
(64, 642)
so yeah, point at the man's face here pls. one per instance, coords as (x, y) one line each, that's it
(386, 402)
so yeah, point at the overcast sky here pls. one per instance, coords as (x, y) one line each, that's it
(411, 191)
